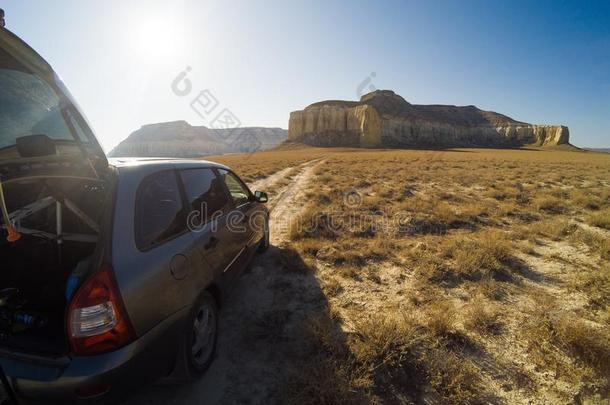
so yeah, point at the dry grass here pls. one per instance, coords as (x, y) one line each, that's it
(585, 199)
(597, 243)
(483, 319)
(588, 343)
(383, 341)
(600, 219)
(558, 339)
(440, 319)
(487, 255)
(595, 283)
(472, 276)
(386, 355)
(456, 379)
(550, 204)
(259, 165)
(554, 229)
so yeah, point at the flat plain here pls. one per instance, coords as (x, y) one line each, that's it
(415, 276)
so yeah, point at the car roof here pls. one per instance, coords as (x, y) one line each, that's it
(162, 163)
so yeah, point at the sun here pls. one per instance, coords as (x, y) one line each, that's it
(155, 36)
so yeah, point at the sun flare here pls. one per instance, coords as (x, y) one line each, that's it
(155, 36)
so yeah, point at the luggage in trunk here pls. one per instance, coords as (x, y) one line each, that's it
(41, 270)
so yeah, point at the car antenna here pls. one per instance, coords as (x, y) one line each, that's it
(13, 235)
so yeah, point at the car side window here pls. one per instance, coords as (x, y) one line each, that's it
(204, 192)
(159, 210)
(238, 190)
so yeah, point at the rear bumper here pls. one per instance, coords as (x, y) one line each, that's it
(58, 381)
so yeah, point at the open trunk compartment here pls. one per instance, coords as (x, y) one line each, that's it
(54, 174)
(59, 223)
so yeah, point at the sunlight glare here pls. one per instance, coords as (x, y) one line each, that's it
(156, 36)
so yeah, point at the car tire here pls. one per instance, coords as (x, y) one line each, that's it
(264, 243)
(201, 335)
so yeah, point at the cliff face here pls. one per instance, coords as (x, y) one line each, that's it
(179, 139)
(384, 119)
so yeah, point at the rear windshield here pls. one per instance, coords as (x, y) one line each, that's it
(28, 105)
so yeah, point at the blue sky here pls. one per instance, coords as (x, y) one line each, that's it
(536, 61)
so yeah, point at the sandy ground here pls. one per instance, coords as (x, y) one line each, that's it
(257, 320)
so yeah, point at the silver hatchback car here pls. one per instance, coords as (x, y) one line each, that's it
(113, 271)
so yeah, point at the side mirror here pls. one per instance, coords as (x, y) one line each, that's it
(261, 196)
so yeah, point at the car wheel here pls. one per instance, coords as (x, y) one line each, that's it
(264, 244)
(202, 334)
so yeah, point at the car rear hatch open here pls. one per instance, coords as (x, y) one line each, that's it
(54, 179)
(41, 127)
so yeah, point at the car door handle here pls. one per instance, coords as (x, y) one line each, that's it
(211, 243)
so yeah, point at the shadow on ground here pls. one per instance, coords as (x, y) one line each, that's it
(263, 339)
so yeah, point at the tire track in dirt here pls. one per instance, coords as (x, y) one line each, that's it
(270, 181)
(258, 320)
(277, 177)
(288, 204)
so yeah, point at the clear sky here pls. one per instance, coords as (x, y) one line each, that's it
(536, 61)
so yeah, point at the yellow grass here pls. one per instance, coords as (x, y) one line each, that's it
(482, 246)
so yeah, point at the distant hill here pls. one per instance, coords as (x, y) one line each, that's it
(180, 139)
(382, 118)
(602, 150)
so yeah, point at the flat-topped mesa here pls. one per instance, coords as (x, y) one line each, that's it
(384, 119)
(180, 139)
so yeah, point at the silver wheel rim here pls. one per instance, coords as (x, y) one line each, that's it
(204, 330)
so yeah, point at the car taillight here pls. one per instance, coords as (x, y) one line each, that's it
(97, 320)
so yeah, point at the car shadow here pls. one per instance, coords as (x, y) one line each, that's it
(267, 335)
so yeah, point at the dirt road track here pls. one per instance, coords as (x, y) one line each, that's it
(259, 337)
